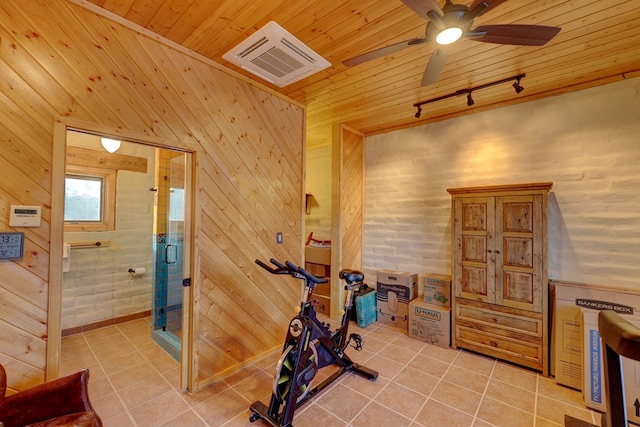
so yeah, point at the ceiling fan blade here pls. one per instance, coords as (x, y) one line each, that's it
(434, 67)
(384, 51)
(516, 34)
(491, 3)
(423, 7)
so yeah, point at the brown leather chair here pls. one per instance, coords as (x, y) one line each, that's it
(61, 402)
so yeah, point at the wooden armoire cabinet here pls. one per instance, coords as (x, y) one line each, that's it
(499, 263)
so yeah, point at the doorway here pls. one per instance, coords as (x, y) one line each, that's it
(135, 263)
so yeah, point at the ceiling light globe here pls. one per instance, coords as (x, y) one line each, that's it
(111, 145)
(448, 35)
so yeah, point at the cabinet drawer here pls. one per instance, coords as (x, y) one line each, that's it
(508, 348)
(518, 321)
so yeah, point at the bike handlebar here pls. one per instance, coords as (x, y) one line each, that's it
(292, 270)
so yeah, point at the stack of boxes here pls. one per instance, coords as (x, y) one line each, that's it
(430, 318)
(393, 293)
(577, 345)
(426, 319)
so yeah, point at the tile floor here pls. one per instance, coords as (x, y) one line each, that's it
(134, 383)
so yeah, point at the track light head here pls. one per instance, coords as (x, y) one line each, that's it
(470, 100)
(517, 86)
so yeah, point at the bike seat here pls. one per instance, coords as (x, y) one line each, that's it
(351, 276)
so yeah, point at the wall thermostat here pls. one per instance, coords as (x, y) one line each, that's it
(25, 216)
(11, 245)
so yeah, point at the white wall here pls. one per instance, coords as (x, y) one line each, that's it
(318, 183)
(587, 143)
(98, 286)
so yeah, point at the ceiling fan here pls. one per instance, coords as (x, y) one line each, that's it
(450, 23)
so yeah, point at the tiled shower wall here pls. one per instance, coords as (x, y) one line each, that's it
(587, 143)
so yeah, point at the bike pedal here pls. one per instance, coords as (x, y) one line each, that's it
(358, 341)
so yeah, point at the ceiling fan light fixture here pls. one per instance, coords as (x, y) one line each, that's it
(449, 35)
(111, 145)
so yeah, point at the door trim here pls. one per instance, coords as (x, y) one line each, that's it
(54, 313)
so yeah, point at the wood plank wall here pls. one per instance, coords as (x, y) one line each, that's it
(347, 206)
(60, 60)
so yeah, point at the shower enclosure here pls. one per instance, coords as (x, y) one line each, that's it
(168, 245)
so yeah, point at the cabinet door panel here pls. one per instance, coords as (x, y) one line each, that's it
(518, 288)
(474, 282)
(518, 251)
(518, 221)
(474, 264)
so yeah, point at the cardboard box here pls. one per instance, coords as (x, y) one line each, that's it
(437, 290)
(593, 389)
(394, 291)
(571, 298)
(430, 323)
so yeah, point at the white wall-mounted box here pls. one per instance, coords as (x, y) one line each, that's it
(25, 216)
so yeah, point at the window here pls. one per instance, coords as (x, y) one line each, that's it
(89, 199)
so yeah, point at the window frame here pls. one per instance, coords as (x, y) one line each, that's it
(108, 178)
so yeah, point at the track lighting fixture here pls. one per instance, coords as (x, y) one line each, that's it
(470, 100)
(467, 92)
(517, 86)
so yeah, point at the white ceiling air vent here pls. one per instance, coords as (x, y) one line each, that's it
(275, 55)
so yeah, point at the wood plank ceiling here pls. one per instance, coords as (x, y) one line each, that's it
(599, 43)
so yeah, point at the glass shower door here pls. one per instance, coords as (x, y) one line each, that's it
(168, 249)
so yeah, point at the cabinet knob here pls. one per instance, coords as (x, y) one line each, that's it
(490, 251)
(497, 252)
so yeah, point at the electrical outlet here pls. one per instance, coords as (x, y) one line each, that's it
(279, 237)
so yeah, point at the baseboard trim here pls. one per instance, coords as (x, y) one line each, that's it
(104, 323)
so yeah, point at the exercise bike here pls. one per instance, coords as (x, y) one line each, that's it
(309, 346)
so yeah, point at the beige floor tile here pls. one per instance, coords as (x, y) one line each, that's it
(343, 402)
(375, 415)
(140, 371)
(364, 386)
(222, 407)
(417, 381)
(511, 394)
(409, 344)
(554, 410)
(429, 365)
(474, 362)
(467, 379)
(397, 353)
(186, 419)
(436, 414)
(141, 392)
(502, 415)
(401, 399)
(446, 355)
(159, 410)
(310, 414)
(541, 422)
(459, 397)
(517, 376)
(122, 419)
(547, 387)
(386, 368)
(256, 387)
